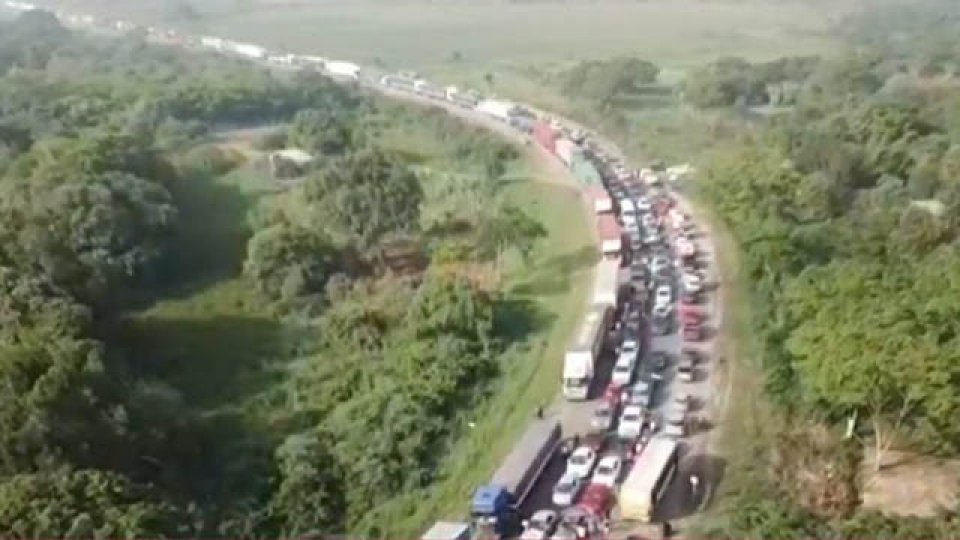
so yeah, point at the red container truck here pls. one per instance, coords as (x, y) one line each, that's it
(545, 135)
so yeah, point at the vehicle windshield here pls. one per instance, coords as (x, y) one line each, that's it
(631, 418)
(565, 486)
(578, 459)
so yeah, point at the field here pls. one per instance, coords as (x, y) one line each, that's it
(455, 37)
(217, 318)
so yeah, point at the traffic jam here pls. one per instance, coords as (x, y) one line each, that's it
(635, 374)
(607, 461)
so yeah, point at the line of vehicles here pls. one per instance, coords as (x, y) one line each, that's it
(649, 277)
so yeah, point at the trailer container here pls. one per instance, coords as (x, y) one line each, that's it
(582, 354)
(501, 110)
(565, 148)
(649, 479)
(584, 169)
(424, 88)
(347, 70)
(611, 235)
(606, 286)
(601, 201)
(495, 505)
(398, 82)
(462, 98)
(447, 530)
(545, 135)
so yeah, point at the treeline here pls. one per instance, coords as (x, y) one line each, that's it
(846, 212)
(94, 154)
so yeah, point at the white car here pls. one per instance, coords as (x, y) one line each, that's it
(661, 311)
(629, 221)
(658, 264)
(643, 204)
(631, 422)
(608, 471)
(663, 296)
(602, 419)
(567, 489)
(623, 369)
(540, 525)
(639, 395)
(630, 345)
(627, 208)
(692, 283)
(682, 399)
(581, 462)
(676, 421)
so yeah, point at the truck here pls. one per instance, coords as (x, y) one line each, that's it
(649, 479)
(464, 99)
(501, 110)
(606, 286)
(611, 235)
(584, 350)
(424, 88)
(602, 202)
(545, 135)
(495, 510)
(447, 530)
(341, 69)
(565, 149)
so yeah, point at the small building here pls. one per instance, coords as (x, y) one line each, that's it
(289, 162)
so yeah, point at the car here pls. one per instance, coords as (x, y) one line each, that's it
(661, 327)
(631, 422)
(661, 311)
(630, 343)
(623, 369)
(581, 461)
(638, 272)
(602, 418)
(639, 395)
(658, 360)
(608, 471)
(541, 525)
(693, 332)
(686, 368)
(683, 400)
(662, 296)
(692, 282)
(629, 221)
(567, 489)
(658, 263)
(643, 204)
(676, 423)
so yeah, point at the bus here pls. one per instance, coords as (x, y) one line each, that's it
(649, 479)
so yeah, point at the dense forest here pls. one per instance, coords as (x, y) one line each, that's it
(368, 273)
(846, 211)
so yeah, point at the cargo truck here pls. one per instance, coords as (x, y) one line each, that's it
(649, 479)
(584, 351)
(424, 88)
(607, 283)
(545, 135)
(611, 236)
(602, 202)
(462, 98)
(447, 530)
(495, 511)
(565, 148)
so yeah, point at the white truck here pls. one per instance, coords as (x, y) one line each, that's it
(582, 355)
(606, 285)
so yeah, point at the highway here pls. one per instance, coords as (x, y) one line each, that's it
(575, 416)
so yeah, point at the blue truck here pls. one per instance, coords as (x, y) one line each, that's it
(495, 511)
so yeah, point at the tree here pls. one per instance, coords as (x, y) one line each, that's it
(320, 130)
(83, 504)
(288, 262)
(309, 498)
(363, 197)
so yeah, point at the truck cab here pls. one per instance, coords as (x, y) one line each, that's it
(494, 513)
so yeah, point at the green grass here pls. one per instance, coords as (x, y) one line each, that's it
(556, 282)
(212, 339)
(495, 34)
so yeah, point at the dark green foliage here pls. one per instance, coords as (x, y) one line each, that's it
(603, 81)
(731, 81)
(846, 221)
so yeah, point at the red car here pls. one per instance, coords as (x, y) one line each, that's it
(690, 316)
(692, 332)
